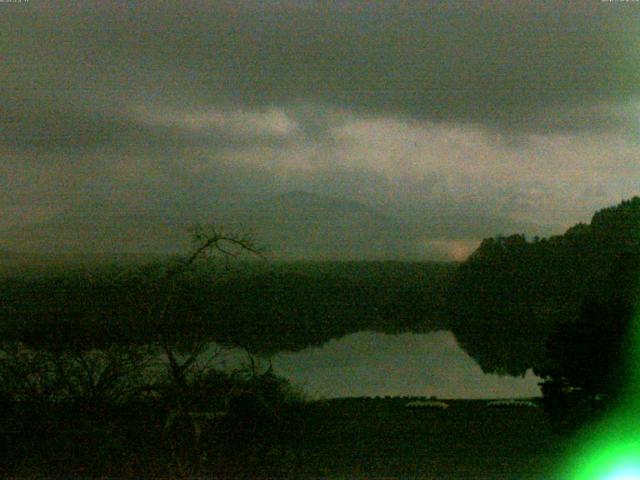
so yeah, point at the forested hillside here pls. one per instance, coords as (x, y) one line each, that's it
(505, 299)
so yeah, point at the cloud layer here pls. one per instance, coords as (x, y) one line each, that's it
(525, 111)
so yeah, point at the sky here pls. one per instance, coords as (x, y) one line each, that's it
(522, 111)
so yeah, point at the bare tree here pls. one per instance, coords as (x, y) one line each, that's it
(210, 241)
(182, 337)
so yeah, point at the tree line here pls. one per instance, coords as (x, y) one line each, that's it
(563, 306)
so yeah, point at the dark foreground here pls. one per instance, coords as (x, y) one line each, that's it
(380, 438)
(335, 439)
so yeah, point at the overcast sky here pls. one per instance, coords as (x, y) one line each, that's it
(528, 110)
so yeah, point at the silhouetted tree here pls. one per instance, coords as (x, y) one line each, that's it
(506, 299)
(589, 366)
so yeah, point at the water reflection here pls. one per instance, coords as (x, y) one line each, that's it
(370, 364)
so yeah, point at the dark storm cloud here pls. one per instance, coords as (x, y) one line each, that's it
(178, 107)
(44, 124)
(502, 64)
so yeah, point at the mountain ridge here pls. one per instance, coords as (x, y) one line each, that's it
(295, 225)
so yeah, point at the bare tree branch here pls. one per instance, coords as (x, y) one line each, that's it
(212, 239)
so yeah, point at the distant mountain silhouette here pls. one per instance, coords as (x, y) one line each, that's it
(307, 225)
(313, 226)
(294, 225)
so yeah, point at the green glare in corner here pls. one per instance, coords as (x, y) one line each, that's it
(611, 449)
(609, 459)
(624, 473)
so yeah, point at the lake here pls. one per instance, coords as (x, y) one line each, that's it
(373, 364)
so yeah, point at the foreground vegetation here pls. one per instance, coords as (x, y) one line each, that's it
(221, 425)
(111, 373)
(381, 438)
(344, 438)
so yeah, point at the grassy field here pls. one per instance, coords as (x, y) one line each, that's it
(380, 438)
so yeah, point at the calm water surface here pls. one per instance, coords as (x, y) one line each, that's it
(370, 364)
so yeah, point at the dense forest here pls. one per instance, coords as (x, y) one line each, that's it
(503, 302)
